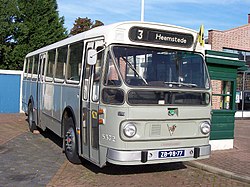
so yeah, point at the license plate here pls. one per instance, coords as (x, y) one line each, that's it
(171, 154)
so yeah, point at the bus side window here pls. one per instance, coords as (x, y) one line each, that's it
(61, 64)
(35, 67)
(50, 65)
(25, 75)
(111, 75)
(75, 62)
(30, 60)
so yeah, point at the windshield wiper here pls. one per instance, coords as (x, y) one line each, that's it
(134, 70)
(180, 84)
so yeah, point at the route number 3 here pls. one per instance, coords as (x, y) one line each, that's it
(140, 34)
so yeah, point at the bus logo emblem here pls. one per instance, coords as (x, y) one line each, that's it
(171, 112)
(171, 129)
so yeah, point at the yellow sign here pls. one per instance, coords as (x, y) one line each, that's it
(94, 114)
(201, 39)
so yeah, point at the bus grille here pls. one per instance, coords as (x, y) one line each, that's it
(156, 130)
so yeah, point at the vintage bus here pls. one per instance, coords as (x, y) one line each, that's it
(128, 93)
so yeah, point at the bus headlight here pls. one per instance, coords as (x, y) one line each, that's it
(129, 130)
(205, 127)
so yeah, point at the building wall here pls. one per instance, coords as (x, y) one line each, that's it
(237, 41)
(237, 38)
(10, 94)
(217, 89)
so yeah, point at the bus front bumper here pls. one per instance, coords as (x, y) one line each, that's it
(137, 157)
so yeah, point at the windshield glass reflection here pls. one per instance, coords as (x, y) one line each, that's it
(158, 68)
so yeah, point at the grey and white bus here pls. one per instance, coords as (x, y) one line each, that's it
(129, 93)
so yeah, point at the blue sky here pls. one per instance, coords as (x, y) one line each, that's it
(214, 14)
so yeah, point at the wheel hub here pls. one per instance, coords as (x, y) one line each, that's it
(69, 140)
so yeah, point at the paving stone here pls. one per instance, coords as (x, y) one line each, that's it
(236, 160)
(29, 161)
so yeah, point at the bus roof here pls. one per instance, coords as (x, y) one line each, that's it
(111, 34)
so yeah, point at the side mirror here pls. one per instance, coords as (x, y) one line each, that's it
(91, 57)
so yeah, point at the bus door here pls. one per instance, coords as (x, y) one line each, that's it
(91, 87)
(40, 79)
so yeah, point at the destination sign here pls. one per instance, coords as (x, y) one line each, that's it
(169, 38)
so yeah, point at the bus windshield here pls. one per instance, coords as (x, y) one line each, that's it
(150, 67)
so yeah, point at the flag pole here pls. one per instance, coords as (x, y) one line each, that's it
(142, 10)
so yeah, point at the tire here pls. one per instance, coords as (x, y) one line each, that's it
(70, 141)
(32, 125)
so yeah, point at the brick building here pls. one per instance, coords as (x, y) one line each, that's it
(235, 40)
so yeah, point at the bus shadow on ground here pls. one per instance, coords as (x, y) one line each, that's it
(48, 134)
(112, 169)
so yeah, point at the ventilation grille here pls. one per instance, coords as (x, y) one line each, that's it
(155, 130)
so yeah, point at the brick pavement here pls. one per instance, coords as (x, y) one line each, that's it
(174, 174)
(234, 161)
(36, 160)
(26, 159)
(12, 125)
(162, 175)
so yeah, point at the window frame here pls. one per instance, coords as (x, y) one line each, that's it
(226, 97)
(30, 68)
(74, 82)
(53, 68)
(94, 68)
(56, 79)
(35, 74)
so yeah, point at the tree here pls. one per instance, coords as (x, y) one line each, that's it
(97, 24)
(40, 25)
(8, 9)
(84, 24)
(36, 24)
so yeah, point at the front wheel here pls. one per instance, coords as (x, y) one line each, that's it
(70, 139)
(32, 125)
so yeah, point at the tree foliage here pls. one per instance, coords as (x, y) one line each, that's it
(84, 24)
(8, 9)
(31, 24)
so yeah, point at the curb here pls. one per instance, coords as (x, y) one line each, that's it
(219, 171)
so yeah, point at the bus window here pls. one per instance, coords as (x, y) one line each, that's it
(26, 68)
(111, 75)
(86, 81)
(50, 65)
(97, 75)
(61, 64)
(112, 96)
(75, 62)
(30, 60)
(161, 68)
(35, 67)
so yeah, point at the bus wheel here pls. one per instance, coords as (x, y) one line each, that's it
(32, 125)
(71, 150)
